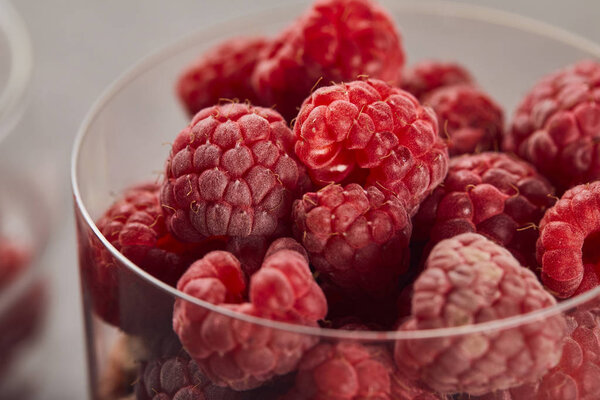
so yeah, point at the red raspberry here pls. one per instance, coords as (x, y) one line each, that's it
(336, 40)
(134, 226)
(557, 126)
(371, 125)
(426, 76)
(356, 238)
(14, 259)
(468, 117)
(468, 280)
(244, 355)
(568, 248)
(493, 194)
(223, 72)
(230, 173)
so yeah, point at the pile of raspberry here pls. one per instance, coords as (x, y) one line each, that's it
(321, 184)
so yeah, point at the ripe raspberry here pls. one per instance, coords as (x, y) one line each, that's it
(568, 246)
(370, 125)
(426, 76)
(469, 118)
(336, 40)
(356, 238)
(468, 280)
(223, 72)
(577, 375)
(557, 126)
(230, 173)
(493, 194)
(243, 355)
(135, 227)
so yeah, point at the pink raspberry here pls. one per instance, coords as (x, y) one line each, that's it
(350, 370)
(577, 375)
(557, 126)
(243, 355)
(356, 238)
(568, 247)
(426, 76)
(223, 72)
(469, 280)
(470, 120)
(232, 173)
(134, 226)
(335, 40)
(494, 194)
(371, 126)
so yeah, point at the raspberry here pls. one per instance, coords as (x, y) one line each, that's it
(468, 280)
(557, 126)
(238, 354)
(577, 375)
(370, 125)
(347, 370)
(493, 194)
(223, 72)
(230, 173)
(568, 246)
(135, 227)
(356, 238)
(472, 121)
(426, 76)
(336, 40)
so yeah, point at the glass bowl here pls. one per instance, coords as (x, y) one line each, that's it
(121, 143)
(16, 61)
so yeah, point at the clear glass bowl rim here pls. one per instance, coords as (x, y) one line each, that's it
(13, 96)
(441, 8)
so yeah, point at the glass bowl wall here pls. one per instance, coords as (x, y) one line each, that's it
(122, 142)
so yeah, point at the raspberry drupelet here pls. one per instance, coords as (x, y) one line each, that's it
(469, 280)
(557, 126)
(335, 40)
(468, 118)
(370, 133)
(244, 355)
(424, 77)
(232, 173)
(568, 245)
(493, 194)
(221, 73)
(355, 237)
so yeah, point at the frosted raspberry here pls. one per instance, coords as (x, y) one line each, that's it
(335, 40)
(577, 375)
(370, 125)
(468, 118)
(134, 225)
(426, 76)
(223, 72)
(356, 238)
(345, 370)
(568, 247)
(230, 173)
(14, 259)
(468, 280)
(238, 354)
(557, 125)
(494, 194)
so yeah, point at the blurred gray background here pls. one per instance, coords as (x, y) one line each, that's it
(80, 46)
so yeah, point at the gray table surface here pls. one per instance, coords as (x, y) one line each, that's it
(80, 47)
